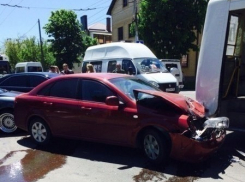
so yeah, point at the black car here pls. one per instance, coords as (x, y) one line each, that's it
(7, 98)
(24, 82)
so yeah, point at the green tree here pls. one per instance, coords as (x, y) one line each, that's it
(27, 49)
(68, 40)
(169, 27)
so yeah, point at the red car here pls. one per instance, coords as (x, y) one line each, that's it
(121, 110)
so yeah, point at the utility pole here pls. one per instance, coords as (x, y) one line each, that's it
(41, 45)
(136, 20)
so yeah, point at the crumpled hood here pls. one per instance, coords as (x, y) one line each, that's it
(184, 103)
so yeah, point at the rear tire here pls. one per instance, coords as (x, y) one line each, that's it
(40, 131)
(155, 146)
(7, 124)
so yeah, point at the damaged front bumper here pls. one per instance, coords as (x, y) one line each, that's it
(200, 144)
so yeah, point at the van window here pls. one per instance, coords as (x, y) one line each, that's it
(20, 69)
(97, 66)
(4, 67)
(111, 66)
(126, 64)
(34, 69)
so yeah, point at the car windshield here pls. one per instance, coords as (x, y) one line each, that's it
(149, 65)
(128, 84)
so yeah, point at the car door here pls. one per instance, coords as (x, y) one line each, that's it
(60, 107)
(100, 121)
(17, 83)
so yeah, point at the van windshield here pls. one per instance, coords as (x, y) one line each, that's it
(4, 67)
(149, 65)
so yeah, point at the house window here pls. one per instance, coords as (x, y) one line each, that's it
(130, 33)
(184, 61)
(125, 3)
(120, 33)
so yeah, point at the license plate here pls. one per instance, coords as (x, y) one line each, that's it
(170, 89)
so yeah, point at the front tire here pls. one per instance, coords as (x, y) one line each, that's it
(40, 131)
(155, 146)
(7, 124)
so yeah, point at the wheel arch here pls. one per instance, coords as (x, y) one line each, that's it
(6, 109)
(163, 132)
(36, 117)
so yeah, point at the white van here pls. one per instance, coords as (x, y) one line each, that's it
(174, 67)
(28, 67)
(133, 57)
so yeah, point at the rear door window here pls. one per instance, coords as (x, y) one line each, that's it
(65, 88)
(36, 80)
(19, 81)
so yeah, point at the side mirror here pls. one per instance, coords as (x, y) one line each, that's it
(112, 101)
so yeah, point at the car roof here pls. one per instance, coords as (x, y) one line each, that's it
(97, 75)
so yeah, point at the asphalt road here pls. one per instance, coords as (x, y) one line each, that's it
(77, 161)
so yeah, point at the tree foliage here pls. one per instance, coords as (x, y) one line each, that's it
(28, 49)
(169, 26)
(68, 40)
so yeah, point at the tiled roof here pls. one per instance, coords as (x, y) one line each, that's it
(97, 26)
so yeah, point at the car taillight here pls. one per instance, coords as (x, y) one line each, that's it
(183, 121)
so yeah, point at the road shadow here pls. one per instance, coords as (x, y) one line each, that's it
(128, 158)
(17, 133)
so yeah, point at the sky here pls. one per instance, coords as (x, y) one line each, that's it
(22, 22)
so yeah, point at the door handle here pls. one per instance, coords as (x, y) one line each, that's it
(48, 103)
(86, 108)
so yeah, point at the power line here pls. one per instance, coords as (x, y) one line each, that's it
(97, 20)
(97, 3)
(10, 13)
(96, 13)
(30, 29)
(5, 7)
(29, 7)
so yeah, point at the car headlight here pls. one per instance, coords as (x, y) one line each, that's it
(154, 84)
(219, 123)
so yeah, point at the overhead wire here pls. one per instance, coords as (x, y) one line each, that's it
(30, 29)
(10, 13)
(97, 2)
(5, 7)
(30, 7)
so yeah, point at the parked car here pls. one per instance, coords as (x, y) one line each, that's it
(122, 110)
(7, 123)
(174, 67)
(24, 82)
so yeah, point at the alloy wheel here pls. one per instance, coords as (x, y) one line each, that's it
(151, 147)
(7, 123)
(39, 132)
